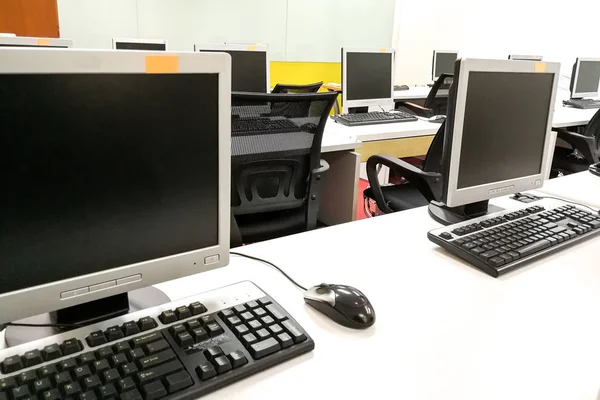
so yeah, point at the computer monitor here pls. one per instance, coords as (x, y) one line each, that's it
(249, 65)
(497, 134)
(521, 57)
(443, 62)
(585, 78)
(367, 77)
(139, 44)
(107, 184)
(22, 41)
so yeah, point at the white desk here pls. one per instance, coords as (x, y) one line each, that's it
(583, 187)
(444, 330)
(569, 116)
(417, 93)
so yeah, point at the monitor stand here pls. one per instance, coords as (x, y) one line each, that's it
(85, 314)
(453, 215)
(358, 110)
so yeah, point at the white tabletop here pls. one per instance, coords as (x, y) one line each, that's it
(583, 187)
(417, 92)
(444, 330)
(394, 130)
(569, 116)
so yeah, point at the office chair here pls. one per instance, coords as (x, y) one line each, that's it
(422, 186)
(285, 88)
(433, 105)
(277, 174)
(584, 151)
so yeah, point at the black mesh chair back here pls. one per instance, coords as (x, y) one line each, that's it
(432, 102)
(287, 88)
(276, 161)
(593, 130)
(433, 159)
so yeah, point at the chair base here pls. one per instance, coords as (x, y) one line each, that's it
(453, 215)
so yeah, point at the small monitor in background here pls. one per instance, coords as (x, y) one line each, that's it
(517, 57)
(367, 77)
(249, 65)
(23, 41)
(140, 44)
(585, 79)
(443, 62)
(488, 153)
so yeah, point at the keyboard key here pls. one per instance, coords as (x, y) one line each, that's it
(276, 312)
(71, 389)
(62, 378)
(240, 308)
(20, 392)
(42, 385)
(100, 366)
(136, 353)
(267, 320)
(52, 394)
(264, 348)
(197, 308)
(184, 339)
(154, 390)
(130, 328)
(249, 339)
(533, 248)
(207, 319)
(506, 257)
(262, 334)
(11, 364)
(156, 347)
(252, 304)
(144, 339)
(178, 381)
(294, 331)
(156, 359)
(206, 371)
(222, 364)
(260, 312)
(104, 352)
(285, 340)
(241, 330)
(199, 335)
(247, 316)
(237, 358)
(47, 371)
(25, 378)
(167, 317)
(125, 384)
(182, 312)
(118, 359)
(121, 347)
(128, 369)
(71, 346)
(233, 321)
(82, 372)
(496, 261)
(96, 339)
(68, 364)
(91, 382)
(107, 392)
(213, 352)
(488, 254)
(33, 357)
(146, 324)
(52, 352)
(88, 396)
(254, 324)
(226, 313)
(86, 358)
(131, 395)
(158, 372)
(113, 333)
(214, 329)
(193, 324)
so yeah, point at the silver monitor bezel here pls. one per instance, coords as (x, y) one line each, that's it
(365, 102)
(240, 47)
(47, 297)
(435, 53)
(457, 197)
(139, 40)
(35, 41)
(574, 93)
(524, 57)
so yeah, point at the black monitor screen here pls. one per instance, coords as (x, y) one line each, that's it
(444, 63)
(588, 77)
(505, 124)
(102, 171)
(368, 76)
(140, 46)
(248, 70)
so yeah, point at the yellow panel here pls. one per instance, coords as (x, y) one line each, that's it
(304, 72)
(162, 64)
(409, 147)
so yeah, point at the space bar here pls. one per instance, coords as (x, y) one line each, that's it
(534, 248)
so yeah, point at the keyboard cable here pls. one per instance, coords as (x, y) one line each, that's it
(272, 265)
(518, 195)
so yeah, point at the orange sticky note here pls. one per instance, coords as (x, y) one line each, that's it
(43, 42)
(162, 64)
(382, 50)
(251, 48)
(540, 67)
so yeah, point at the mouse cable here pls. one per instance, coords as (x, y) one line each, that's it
(59, 326)
(597, 212)
(272, 265)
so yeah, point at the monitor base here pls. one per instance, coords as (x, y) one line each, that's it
(111, 307)
(454, 215)
(358, 110)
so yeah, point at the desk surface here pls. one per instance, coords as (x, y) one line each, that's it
(394, 130)
(443, 331)
(417, 92)
(583, 187)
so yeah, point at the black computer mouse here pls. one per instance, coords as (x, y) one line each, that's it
(344, 304)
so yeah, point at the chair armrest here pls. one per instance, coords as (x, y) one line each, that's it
(415, 109)
(428, 183)
(584, 144)
(323, 168)
(314, 191)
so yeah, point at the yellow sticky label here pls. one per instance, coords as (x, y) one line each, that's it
(251, 48)
(43, 42)
(382, 50)
(540, 67)
(162, 64)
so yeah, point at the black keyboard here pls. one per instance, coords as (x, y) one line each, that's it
(180, 350)
(372, 118)
(259, 126)
(582, 103)
(504, 241)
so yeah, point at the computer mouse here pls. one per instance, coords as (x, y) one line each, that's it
(343, 304)
(595, 169)
(401, 87)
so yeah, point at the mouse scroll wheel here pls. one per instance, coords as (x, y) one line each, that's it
(322, 290)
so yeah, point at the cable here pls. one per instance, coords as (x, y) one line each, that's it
(272, 265)
(566, 201)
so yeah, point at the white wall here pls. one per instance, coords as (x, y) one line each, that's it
(492, 30)
(295, 30)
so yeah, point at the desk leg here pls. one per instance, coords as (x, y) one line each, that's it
(340, 190)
